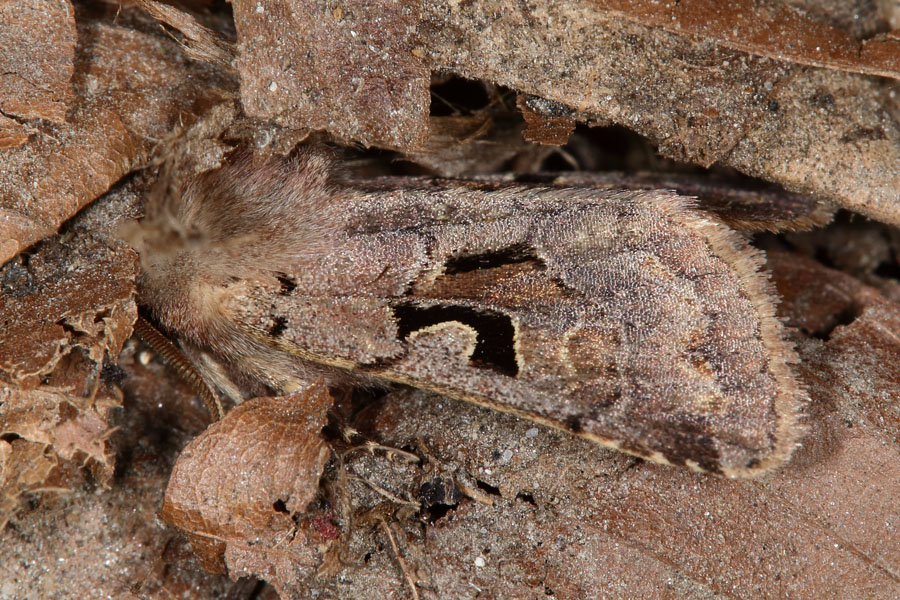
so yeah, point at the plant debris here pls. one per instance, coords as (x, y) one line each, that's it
(778, 116)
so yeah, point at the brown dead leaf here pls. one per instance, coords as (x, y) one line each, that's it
(131, 90)
(76, 293)
(860, 19)
(548, 122)
(355, 69)
(866, 250)
(768, 29)
(235, 487)
(80, 540)
(857, 372)
(12, 134)
(66, 309)
(38, 40)
(24, 467)
(812, 130)
(813, 308)
(862, 364)
(65, 426)
(818, 131)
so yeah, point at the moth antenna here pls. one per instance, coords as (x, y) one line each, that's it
(173, 357)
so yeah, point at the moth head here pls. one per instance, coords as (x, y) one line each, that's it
(245, 221)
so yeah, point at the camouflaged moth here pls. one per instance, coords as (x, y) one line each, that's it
(630, 318)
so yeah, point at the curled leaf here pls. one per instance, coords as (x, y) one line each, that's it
(234, 489)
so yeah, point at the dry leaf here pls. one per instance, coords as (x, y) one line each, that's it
(353, 69)
(85, 541)
(75, 293)
(12, 134)
(548, 122)
(864, 249)
(704, 100)
(769, 29)
(814, 131)
(38, 40)
(811, 307)
(131, 90)
(66, 309)
(50, 426)
(235, 487)
(24, 466)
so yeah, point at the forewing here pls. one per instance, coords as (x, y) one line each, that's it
(629, 318)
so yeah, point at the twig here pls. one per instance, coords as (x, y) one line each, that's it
(385, 493)
(396, 549)
(371, 447)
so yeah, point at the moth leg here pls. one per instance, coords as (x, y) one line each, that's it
(390, 452)
(410, 579)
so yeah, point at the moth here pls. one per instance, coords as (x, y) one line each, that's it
(630, 318)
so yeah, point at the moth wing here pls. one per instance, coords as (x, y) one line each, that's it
(630, 319)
